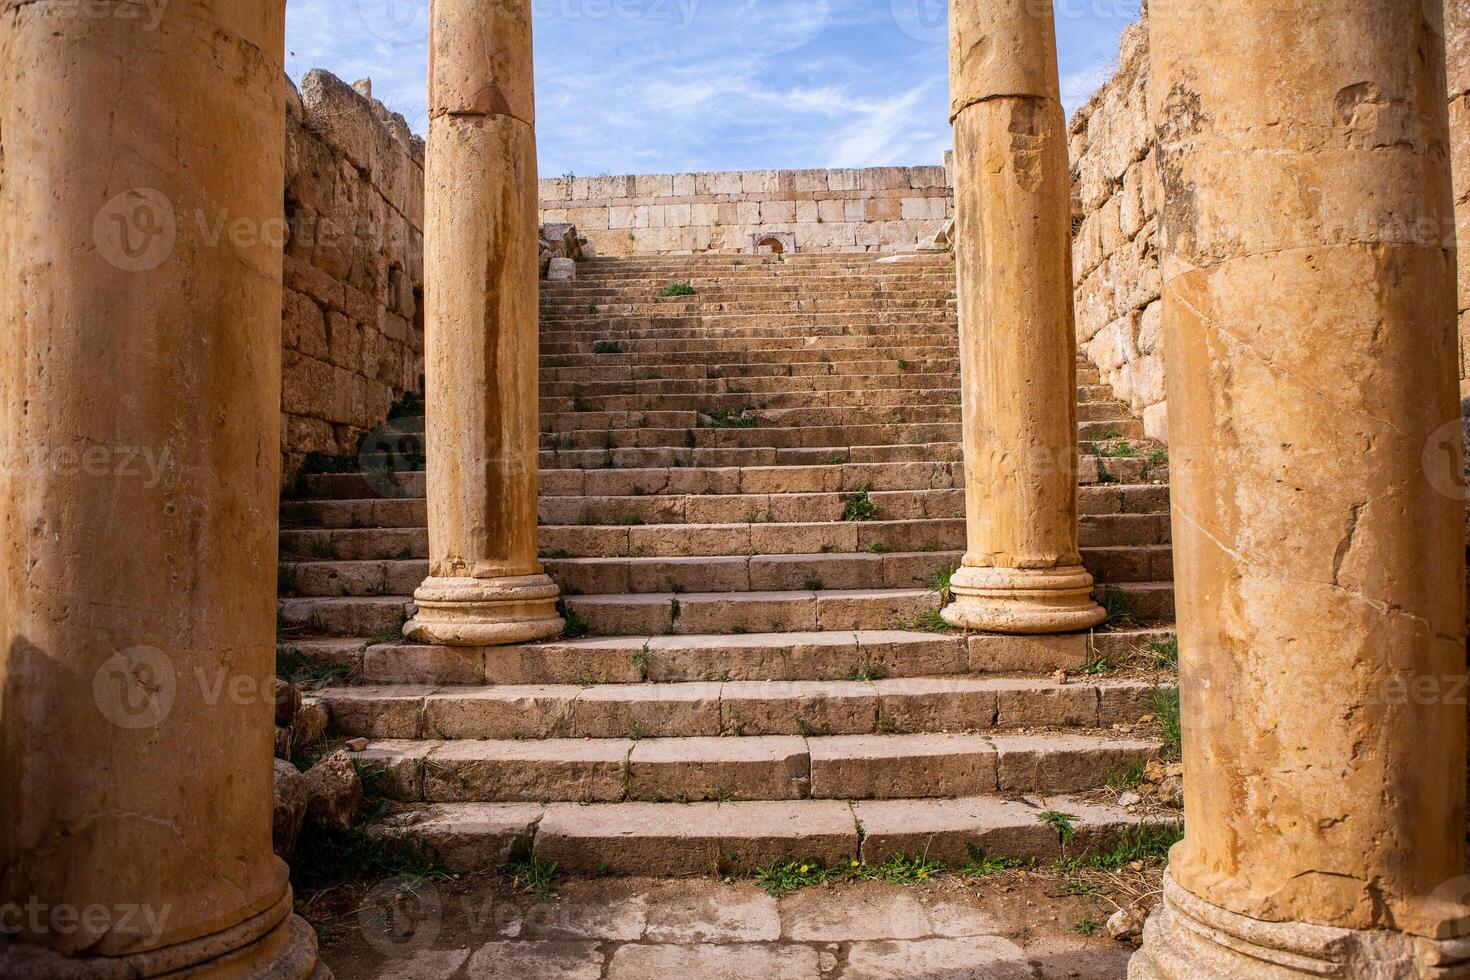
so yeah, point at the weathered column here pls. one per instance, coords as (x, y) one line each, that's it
(486, 585)
(140, 240)
(1022, 572)
(1309, 310)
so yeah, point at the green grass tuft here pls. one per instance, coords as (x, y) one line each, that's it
(677, 289)
(860, 507)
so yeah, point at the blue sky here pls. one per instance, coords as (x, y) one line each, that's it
(656, 86)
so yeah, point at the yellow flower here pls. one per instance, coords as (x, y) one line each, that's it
(854, 862)
(804, 869)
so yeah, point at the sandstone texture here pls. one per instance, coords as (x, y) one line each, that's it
(1022, 571)
(352, 313)
(1308, 248)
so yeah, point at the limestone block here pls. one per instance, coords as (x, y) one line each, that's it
(684, 185)
(333, 793)
(723, 182)
(1156, 422)
(676, 215)
(844, 180)
(288, 809)
(777, 212)
(555, 189)
(619, 217)
(762, 182)
(809, 181)
(340, 116)
(653, 185)
(920, 208)
(562, 270)
(920, 177)
(831, 211)
(884, 179)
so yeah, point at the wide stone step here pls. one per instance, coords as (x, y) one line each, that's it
(770, 767)
(737, 573)
(652, 384)
(628, 539)
(748, 656)
(1118, 460)
(671, 839)
(616, 368)
(396, 484)
(711, 709)
(726, 612)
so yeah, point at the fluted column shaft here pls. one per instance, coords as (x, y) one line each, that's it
(141, 228)
(1309, 316)
(486, 584)
(1022, 571)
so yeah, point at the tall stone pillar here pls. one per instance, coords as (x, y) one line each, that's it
(1022, 572)
(1309, 310)
(141, 229)
(486, 585)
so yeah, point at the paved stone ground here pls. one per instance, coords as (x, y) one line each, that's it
(623, 929)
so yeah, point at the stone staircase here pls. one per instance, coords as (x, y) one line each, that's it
(751, 497)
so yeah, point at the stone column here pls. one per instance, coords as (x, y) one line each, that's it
(141, 234)
(1022, 572)
(1309, 311)
(486, 585)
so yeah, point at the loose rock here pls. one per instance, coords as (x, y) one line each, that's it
(333, 793)
(289, 808)
(310, 723)
(288, 702)
(1124, 925)
(283, 742)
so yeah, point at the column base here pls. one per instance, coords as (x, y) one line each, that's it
(485, 612)
(1023, 600)
(286, 951)
(1188, 938)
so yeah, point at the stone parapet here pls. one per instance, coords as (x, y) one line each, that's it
(879, 209)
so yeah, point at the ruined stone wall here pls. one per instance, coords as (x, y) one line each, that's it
(352, 328)
(879, 209)
(1457, 56)
(1116, 199)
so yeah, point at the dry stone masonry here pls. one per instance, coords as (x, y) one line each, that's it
(352, 321)
(880, 209)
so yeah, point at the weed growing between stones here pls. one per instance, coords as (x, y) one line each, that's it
(860, 507)
(1166, 712)
(677, 289)
(1060, 822)
(1119, 606)
(536, 878)
(295, 667)
(576, 628)
(607, 347)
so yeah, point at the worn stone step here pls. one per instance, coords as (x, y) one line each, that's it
(669, 839)
(729, 612)
(837, 655)
(1116, 468)
(920, 705)
(771, 767)
(822, 476)
(578, 576)
(606, 496)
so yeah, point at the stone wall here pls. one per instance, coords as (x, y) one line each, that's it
(352, 326)
(1457, 51)
(1116, 198)
(880, 209)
